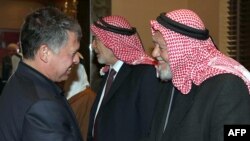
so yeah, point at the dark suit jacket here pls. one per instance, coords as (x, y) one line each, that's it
(33, 108)
(202, 114)
(127, 112)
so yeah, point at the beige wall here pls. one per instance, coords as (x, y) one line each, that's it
(139, 13)
(13, 12)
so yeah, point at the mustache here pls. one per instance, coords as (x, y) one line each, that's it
(161, 59)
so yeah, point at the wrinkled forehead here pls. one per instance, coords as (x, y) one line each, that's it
(94, 37)
(158, 37)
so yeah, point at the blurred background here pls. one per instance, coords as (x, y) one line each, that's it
(228, 22)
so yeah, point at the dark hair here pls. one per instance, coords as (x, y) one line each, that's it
(48, 26)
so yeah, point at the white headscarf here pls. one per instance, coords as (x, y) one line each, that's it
(77, 81)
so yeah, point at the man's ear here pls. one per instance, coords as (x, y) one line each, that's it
(43, 53)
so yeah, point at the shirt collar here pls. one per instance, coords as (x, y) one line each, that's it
(118, 64)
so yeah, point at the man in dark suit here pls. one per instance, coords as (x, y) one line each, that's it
(32, 106)
(205, 89)
(125, 111)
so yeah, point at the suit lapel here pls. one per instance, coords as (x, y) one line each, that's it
(181, 105)
(97, 99)
(162, 110)
(72, 114)
(120, 77)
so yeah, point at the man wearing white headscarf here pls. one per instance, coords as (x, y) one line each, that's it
(77, 81)
(80, 95)
(204, 89)
(125, 112)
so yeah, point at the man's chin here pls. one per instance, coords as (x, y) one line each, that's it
(63, 78)
(101, 61)
(165, 75)
(165, 79)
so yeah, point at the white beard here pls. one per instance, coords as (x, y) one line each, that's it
(165, 73)
(101, 60)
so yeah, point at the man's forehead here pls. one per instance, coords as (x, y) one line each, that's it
(94, 37)
(158, 37)
(157, 34)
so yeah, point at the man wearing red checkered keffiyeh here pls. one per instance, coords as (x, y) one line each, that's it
(125, 112)
(204, 89)
(127, 48)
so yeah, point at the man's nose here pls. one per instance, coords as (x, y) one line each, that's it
(76, 59)
(156, 52)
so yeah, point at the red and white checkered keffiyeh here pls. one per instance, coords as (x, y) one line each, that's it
(192, 60)
(128, 49)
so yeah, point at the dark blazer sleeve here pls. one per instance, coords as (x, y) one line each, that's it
(230, 107)
(48, 121)
(149, 91)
